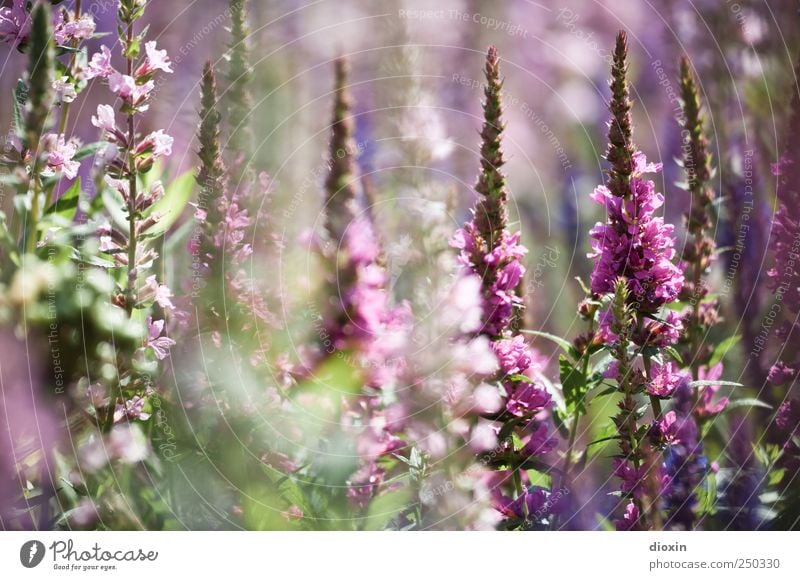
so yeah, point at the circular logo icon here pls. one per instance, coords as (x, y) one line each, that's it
(31, 553)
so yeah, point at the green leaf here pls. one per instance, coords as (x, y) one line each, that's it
(556, 339)
(170, 207)
(20, 98)
(385, 508)
(89, 150)
(67, 205)
(708, 495)
(710, 383)
(573, 384)
(735, 404)
(671, 351)
(721, 350)
(114, 205)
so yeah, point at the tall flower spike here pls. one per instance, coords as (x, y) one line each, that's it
(340, 184)
(620, 128)
(211, 174)
(240, 75)
(490, 213)
(634, 250)
(699, 250)
(40, 76)
(493, 254)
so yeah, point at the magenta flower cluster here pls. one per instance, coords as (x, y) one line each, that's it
(634, 243)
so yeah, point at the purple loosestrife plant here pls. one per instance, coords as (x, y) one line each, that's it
(698, 253)
(633, 252)
(38, 160)
(133, 156)
(784, 281)
(359, 324)
(686, 466)
(130, 156)
(220, 245)
(490, 251)
(240, 101)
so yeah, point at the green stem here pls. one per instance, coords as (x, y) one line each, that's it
(132, 193)
(31, 235)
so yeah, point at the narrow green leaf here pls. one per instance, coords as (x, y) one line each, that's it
(722, 349)
(385, 508)
(67, 205)
(556, 339)
(20, 97)
(573, 383)
(89, 149)
(170, 207)
(735, 404)
(710, 383)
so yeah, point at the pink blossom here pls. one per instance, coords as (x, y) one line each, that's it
(15, 23)
(706, 406)
(363, 485)
(132, 409)
(632, 477)
(630, 520)
(361, 242)
(661, 333)
(105, 119)
(669, 428)
(159, 344)
(122, 85)
(64, 90)
(634, 244)
(293, 513)
(59, 156)
(664, 379)
(100, 65)
(121, 185)
(527, 399)
(160, 293)
(539, 441)
(80, 29)
(155, 60)
(159, 142)
(513, 354)
(128, 89)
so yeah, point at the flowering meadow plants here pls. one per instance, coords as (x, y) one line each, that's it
(300, 310)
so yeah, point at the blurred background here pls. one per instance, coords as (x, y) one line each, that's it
(416, 78)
